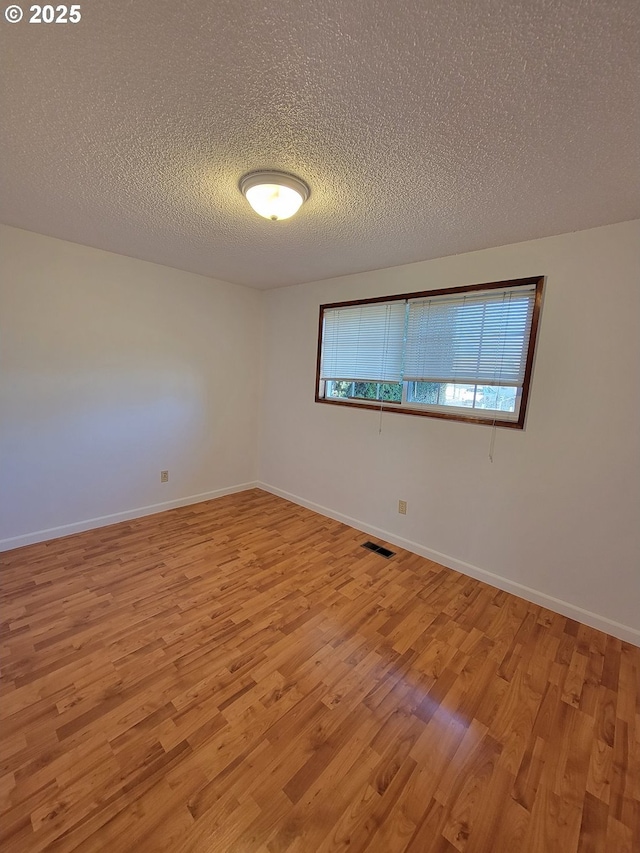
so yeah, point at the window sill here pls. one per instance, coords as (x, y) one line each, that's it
(490, 419)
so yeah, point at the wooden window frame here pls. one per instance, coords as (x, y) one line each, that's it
(492, 418)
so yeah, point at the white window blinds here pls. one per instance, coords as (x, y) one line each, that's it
(479, 337)
(364, 342)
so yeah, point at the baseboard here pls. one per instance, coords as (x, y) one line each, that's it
(594, 620)
(114, 518)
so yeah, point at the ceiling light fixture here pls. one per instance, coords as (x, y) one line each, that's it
(274, 195)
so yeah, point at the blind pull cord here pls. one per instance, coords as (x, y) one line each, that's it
(492, 442)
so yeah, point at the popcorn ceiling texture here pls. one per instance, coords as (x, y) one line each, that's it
(423, 127)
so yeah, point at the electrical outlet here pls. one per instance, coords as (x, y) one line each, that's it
(402, 507)
(164, 476)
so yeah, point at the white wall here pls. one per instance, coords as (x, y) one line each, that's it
(111, 370)
(555, 517)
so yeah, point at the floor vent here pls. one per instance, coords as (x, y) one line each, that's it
(378, 549)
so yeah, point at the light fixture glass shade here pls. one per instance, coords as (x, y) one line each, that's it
(274, 195)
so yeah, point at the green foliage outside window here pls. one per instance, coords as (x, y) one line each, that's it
(390, 392)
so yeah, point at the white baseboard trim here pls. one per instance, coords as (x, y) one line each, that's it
(114, 518)
(594, 620)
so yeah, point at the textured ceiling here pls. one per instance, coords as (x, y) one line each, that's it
(423, 127)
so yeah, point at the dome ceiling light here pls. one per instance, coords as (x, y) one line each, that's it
(274, 195)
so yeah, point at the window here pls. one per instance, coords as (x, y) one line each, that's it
(464, 353)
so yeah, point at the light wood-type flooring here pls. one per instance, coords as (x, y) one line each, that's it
(241, 675)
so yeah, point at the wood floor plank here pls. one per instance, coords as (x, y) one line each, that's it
(241, 675)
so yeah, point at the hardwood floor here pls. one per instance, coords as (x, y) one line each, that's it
(241, 675)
